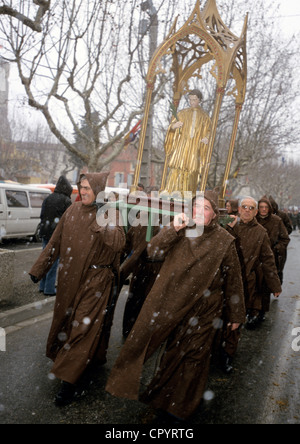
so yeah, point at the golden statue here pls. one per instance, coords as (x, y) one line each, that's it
(186, 146)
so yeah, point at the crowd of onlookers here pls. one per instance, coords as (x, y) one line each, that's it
(294, 215)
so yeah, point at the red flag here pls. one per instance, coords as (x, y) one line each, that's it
(132, 134)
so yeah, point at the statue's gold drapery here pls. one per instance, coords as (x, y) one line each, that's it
(185, 151)
(203, 38)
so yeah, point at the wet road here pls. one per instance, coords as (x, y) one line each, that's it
(263, 388)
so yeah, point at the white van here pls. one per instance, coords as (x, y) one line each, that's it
(20, 209)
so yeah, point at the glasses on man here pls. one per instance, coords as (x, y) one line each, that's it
(248, 207)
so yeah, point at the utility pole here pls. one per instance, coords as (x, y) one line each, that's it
(152, 23)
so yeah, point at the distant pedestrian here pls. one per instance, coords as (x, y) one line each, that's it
(53, 208)
(295, 218)
(88, 273)
(298, 220)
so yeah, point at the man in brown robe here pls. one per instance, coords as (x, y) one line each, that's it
(183, 308)
(279, 239)
(257, 263)
(282, 214)
(89, 261)
(277, 232)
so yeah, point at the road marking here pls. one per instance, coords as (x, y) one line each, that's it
(28, 323)
(37, 305)
(28, 250)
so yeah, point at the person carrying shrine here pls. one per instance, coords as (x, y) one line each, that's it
(183, 309)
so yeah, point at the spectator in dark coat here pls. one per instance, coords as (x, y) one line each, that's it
(53, 208)
(294, 218)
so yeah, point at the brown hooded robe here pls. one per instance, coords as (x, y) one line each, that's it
(83, 294)
(278, 235)
(144, 272)
(279, 239)
(184, 306)
(257, 260)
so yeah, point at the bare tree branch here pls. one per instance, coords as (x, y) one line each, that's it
(35, 24)
(91, 58)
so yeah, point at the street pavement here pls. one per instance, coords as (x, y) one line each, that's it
(24, 291)
(263, 388)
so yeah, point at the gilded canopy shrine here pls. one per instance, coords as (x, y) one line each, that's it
(203, 39)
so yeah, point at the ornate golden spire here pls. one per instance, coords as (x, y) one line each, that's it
(202, 39)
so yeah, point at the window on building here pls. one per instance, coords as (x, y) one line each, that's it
(119, 178)
(130, 179)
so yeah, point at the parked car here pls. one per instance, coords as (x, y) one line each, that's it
(20, 209)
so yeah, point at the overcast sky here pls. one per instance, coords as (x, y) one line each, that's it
(287, 19)
(290, 12)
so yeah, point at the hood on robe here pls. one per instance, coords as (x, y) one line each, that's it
(266, 200)
(213, 198)
(97, 181)
(63, 186)
(274, 204)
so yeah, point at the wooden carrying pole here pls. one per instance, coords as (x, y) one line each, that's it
(142, 138)
(238, 109)
(218, 103)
